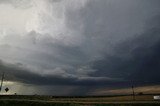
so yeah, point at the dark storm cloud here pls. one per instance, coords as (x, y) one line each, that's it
(15, 72)
(137, 60)
(105, 23)
(111, 43)
(125, 33)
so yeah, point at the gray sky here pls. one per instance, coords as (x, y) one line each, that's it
(79, 45)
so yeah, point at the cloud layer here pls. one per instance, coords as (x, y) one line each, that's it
(80, 43)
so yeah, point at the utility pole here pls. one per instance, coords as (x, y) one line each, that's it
(2, 81)
(133, 93)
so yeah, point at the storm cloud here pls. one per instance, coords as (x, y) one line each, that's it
(85, 44)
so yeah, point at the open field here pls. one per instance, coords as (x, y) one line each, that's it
(21, 100)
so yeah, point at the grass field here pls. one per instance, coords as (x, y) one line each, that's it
(21, 100)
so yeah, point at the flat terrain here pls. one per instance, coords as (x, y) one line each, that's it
(36, 100)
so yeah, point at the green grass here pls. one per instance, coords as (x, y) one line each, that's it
(45, 103)
(22, 100)
(36, 103)
(31, 103)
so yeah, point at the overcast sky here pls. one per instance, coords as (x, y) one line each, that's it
(73, 47)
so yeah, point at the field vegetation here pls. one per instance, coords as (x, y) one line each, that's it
(37, 100)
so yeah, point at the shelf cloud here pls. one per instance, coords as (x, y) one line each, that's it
(83, 45)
